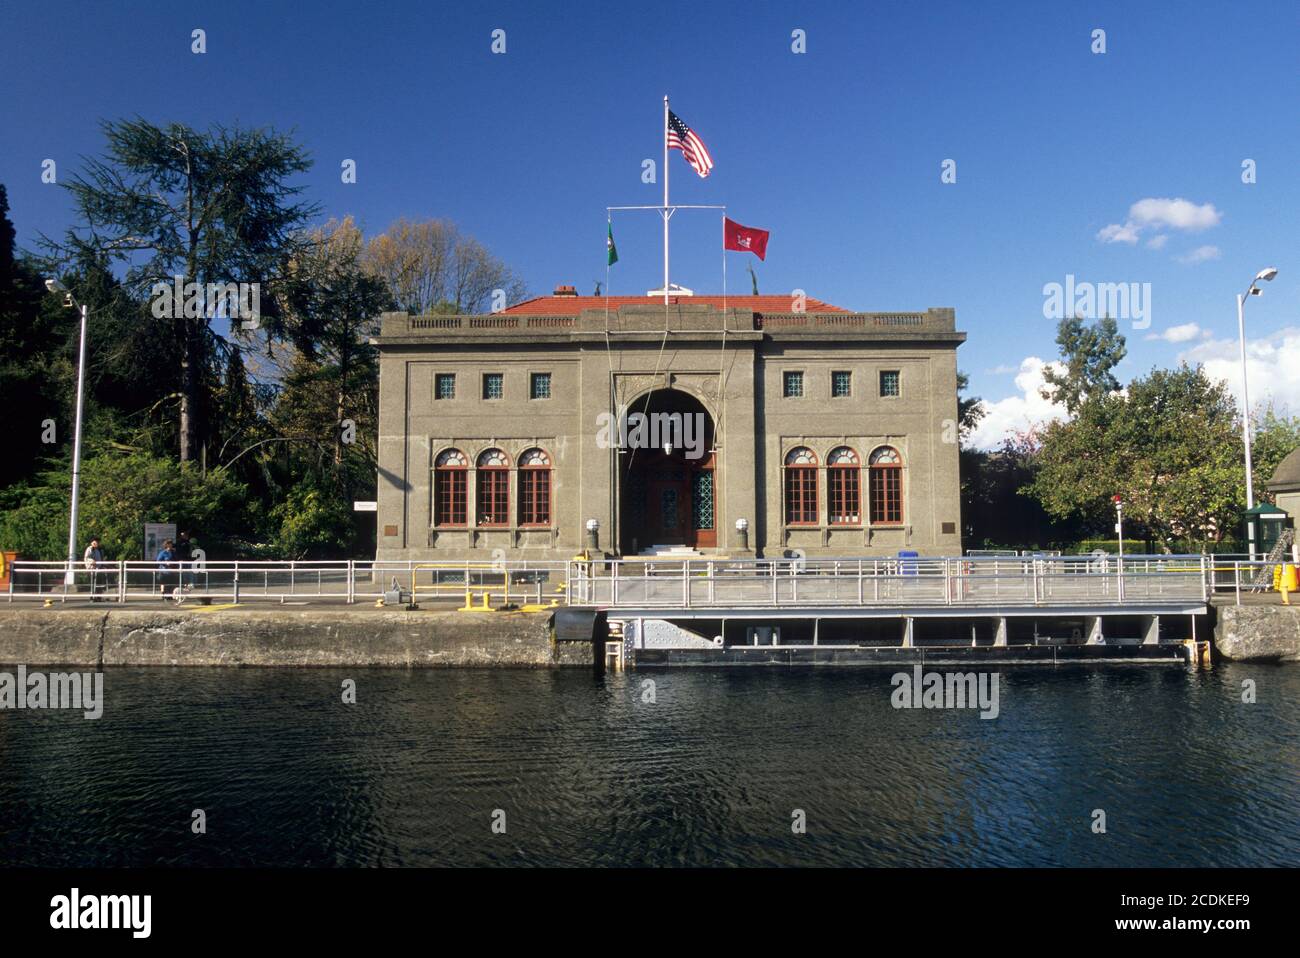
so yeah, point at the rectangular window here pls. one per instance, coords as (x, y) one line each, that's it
(841, 383)
(494, 497)
(534, 497)
(842, 485)
(890, 382)
(793, 385)
(494, 386)
(801, 495)
(540, 387)
(444, 386)
(449, 497)
(886, 495)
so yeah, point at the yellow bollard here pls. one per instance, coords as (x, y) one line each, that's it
(1288, 582)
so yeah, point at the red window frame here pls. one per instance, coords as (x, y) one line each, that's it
(844, 489)
(449, 487)
(800, 489)
(492, 491)
(886, 488)
(534, 489)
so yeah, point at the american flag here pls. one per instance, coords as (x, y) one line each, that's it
(682, 137)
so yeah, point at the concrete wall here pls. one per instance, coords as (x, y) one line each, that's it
(275, 637)
(1258, 633)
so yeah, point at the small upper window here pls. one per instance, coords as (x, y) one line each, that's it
(793, 385)
(890, 382)
(493, 385)
(445, 386)
(841, 383)
(541, 386)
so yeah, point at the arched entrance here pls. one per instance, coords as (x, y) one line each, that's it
(668, 496)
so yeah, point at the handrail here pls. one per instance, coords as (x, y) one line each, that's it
(706, 582)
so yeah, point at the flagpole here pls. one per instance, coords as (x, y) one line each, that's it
(665, 212)
(724, 271)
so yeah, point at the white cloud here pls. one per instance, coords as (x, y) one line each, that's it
(1200, 255)
(1158, 241)
(1114, 233)
(1178, 334)
(1004, 370)
(1272, 363)
(1158, 214)
(1176, 214)
(1018, 413)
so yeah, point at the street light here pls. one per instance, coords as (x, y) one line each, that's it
(1266, 275)
(54, 286)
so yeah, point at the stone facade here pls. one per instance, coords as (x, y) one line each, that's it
(549, 374)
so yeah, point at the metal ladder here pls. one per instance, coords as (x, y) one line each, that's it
(1281, 548)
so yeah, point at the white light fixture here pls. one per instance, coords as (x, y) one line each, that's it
(742, 525)
(593, 525)
(1267, 274)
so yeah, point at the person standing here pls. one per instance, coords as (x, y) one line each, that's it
(166, 558)
(92, 557)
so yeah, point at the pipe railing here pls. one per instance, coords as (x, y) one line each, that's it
(1040, 580)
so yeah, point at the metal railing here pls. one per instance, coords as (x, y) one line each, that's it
(347, 581)
(968, 581)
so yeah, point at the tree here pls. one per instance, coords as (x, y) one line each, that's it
(1170, 448)
(431, 266)
(30, 337)
(119, 493)
(1275, 436)
(1090, 353)
(211, 207)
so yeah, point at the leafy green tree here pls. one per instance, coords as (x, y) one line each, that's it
(1169, 447)
(211, 207)
(119, 493)
(1089, 353)
(1274, 436)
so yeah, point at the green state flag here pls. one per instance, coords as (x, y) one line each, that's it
(610, 248)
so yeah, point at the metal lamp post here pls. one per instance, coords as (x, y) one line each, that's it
(69, 576)
(1119, 525)
(1267, 274)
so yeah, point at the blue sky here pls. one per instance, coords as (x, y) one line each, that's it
(837, 151)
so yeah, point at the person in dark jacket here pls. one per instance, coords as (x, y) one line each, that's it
(166, 560)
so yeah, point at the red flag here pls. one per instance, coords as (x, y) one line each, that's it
(746, 239)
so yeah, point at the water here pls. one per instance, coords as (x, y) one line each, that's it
(588, 774)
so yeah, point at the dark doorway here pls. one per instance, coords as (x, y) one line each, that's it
(666, 474)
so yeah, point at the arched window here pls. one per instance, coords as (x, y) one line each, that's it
(886, 470)
(534, 488)
(842, 487)
(801, 487)
(493, 489)
(449, 471)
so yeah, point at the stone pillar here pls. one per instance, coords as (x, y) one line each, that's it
(1150, 629)
(1095, 636)
(1000, 632)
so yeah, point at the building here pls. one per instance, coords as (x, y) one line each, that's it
(1285, 486)
(669, 425)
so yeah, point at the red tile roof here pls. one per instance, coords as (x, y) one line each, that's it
(573, 305)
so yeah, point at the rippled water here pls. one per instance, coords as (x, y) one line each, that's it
(709, 774)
